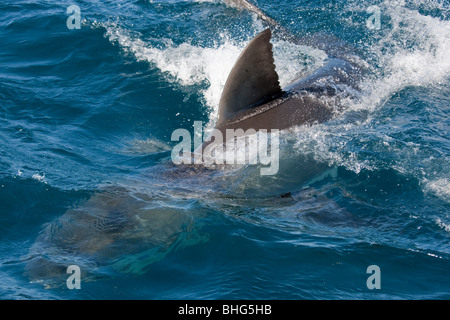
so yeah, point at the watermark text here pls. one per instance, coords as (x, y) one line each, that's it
(228, 147)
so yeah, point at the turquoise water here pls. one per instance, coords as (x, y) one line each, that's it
(86, 177)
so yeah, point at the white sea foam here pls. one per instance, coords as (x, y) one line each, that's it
(39, 177)
(185, 64)
(293, 61)
(412, 52)
(190, 65)
(439, 187)
(445, 226)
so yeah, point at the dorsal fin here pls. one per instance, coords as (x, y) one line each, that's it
(253, 79)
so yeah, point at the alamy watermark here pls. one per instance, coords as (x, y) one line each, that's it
(374, 280)
(74, 280)
(232, 147)
(74, 20)
(374, 21)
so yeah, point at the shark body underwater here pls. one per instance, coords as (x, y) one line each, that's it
(118, 220)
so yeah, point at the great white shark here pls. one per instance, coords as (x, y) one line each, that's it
(118, 220)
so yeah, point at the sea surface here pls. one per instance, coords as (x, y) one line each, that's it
(87, 180)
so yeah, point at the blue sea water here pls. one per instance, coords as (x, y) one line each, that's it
(85, 146)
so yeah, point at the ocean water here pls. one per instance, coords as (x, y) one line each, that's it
(86, 177)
